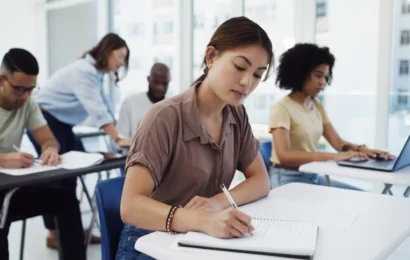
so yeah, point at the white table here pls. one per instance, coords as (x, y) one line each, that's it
(331, 168)
(364, 237)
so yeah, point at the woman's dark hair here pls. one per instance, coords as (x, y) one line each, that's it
(297, 64)
(239, 32)
(103, 49)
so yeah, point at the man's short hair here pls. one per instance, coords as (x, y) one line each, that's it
(20, 60)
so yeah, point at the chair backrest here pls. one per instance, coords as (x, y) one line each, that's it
(266, 151)
(108, 196)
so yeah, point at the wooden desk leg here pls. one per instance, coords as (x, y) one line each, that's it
(387, 188)
(328, 181)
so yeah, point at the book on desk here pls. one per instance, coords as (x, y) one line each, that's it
(292, 239)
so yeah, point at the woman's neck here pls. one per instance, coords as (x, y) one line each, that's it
(210, 106)
(301, 98)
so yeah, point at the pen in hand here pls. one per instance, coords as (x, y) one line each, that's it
(230, 199)
(34, 160)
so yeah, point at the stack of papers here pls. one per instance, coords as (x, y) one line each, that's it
(71, 160)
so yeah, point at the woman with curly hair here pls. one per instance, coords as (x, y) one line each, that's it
(298, 120)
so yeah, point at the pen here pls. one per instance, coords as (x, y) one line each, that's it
(18, 150)
(228, 196)
(230, 199)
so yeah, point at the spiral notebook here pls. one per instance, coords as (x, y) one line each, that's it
(293, 239)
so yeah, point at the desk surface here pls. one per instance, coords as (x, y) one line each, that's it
(331, 168)
(382, 226)
(8, 181)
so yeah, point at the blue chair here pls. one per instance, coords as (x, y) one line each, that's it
(108, 196)
(266, 151)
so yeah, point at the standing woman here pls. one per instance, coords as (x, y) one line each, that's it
(76, 92)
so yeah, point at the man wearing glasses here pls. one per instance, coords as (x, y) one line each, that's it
(18, 111)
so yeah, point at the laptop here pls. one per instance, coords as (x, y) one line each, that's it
(398, 163)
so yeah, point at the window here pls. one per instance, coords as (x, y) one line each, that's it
(136, 29)
(265, 11)
(350, 99)
(277, 18)
(322, 21)
(148, 28)
(168, 60)
(398, 127)
(321, 9)
(406, 6)
(405, 37)
(207, 15)
(402, 97)
(198, 21)
(404, 67)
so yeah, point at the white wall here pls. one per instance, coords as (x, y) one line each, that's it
(23, 24)
(69, 38)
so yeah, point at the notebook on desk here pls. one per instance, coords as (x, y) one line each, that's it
(70, 160)
(292, 239)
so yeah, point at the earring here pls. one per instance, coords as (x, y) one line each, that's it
(210, 65)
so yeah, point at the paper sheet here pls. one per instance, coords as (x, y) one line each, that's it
(36, 167)
(332, 216)
(76, 160)
(70, 160)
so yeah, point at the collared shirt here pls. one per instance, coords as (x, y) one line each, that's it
(14, 122)
(75, 92)
(184, 161)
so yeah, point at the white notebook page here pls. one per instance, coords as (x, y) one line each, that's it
(269, 236)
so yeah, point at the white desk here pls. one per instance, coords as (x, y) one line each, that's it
(366, 237)
(330, 168)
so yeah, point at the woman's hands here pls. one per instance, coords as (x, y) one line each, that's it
(373, 153)
(363, 153)
(218, 222)
(228, 223)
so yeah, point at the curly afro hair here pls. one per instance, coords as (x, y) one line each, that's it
(297, 63)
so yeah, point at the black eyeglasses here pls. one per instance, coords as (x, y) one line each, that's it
(19, 90)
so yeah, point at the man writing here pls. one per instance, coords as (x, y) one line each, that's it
(18, 111)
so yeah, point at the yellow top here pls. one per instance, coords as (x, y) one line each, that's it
(305, 126)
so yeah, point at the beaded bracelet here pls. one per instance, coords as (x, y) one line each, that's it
(170, 217)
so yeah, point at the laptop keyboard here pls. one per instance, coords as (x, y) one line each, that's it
(381, 164)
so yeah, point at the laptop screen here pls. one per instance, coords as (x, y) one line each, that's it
(404, 157)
